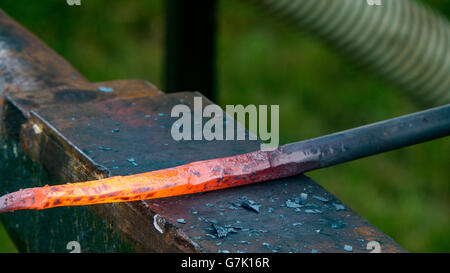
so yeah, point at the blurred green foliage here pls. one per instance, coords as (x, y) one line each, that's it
(405, 193)
(6, 245)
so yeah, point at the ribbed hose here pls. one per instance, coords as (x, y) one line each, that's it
(403, 41)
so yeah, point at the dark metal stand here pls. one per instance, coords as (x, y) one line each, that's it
(190, 46)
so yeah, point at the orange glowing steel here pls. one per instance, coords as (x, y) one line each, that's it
(195, 177)
(214, 174)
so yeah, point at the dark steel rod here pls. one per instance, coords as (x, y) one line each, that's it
(366, 140)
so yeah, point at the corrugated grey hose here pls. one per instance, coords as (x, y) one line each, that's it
(404, 41)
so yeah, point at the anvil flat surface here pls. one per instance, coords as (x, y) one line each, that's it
(103, 132)
(76, 132)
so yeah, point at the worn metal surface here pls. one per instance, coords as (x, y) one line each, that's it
(29, 63)
(70, 129)
(192, 222)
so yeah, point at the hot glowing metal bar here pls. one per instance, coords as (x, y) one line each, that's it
(214, 174)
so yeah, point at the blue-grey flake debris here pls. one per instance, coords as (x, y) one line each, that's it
(237, 227)
(181, 221)
(338, 206)
(105, 89)
(235, 204)
(104, 148)
(232, 230)
(243, 198)
(310, 211)
(132, 161)
(209, 205)
(337, 225)
(302, 199)
(348, 248)
(297, 224)
(251, 206)
(292, 205)
(221, 231)
(251, 230)
(311, 205)
(320, 198)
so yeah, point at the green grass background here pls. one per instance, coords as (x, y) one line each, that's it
(405, 193)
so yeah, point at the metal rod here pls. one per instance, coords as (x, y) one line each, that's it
(220, 173)
(371, 139)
